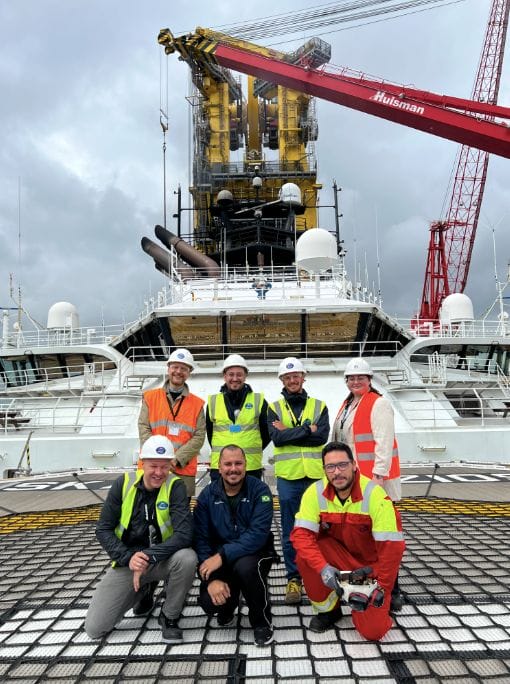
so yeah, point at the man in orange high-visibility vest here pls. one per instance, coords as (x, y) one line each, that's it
(173, 411)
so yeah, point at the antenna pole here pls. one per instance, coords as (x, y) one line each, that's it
(19, 252)
(378, 257)
(336, 190)
(163, 120)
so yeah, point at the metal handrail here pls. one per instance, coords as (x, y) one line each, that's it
(429, 411)
(272, 351)
(52, 414)
(75, 376)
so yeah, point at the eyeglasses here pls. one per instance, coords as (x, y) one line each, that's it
(342, 465)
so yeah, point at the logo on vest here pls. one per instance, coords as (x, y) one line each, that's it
(162, 505)
(265, 498)
(249, 405)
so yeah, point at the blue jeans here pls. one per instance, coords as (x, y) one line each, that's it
(290, 493)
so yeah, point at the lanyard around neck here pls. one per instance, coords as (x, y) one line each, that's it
(293, 418)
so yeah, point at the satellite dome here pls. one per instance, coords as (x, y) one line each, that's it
(290, 194)
(316, 250)
(456, 308)
(63, 315)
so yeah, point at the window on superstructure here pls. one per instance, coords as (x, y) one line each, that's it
(265, 335)
(199, 334)
(332, 333)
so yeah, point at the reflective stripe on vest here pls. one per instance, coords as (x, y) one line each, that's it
(247, 433)
(129, 490)
(322, 503)
(365, 502)
(364, 509)
(162, 422)
(170, 423)
(313, 507)
(293, 462)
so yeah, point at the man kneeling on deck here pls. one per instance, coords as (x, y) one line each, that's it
(347, 522)
(146, 528)
(234, 543)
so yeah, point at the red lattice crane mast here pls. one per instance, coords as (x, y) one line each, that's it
(452, 239)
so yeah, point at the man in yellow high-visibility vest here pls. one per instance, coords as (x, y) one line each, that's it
(299, 426)
(237, 415)
(146, 528)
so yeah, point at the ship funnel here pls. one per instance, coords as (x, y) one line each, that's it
(316, 251)
(191, 255)
(162, 259)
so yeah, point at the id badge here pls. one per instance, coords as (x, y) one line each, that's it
(235, 428)
(174, 431)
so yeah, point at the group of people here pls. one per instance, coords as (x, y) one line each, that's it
(336, 503)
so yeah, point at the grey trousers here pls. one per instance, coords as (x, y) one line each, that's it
(115, 594)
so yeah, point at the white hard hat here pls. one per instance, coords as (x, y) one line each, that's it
(358, 367)
(182, 356)
(290, 365)
(234, 360)
(157, 446)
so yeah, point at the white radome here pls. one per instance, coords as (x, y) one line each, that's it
(63, 315)
(316, 251)
(456, 308)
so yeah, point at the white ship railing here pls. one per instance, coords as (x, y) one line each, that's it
(426, 409)
(468, 329)
(64, 337)
(67, 378)
(140, 355)
(442, 369)
(110, 414)
(274, 284)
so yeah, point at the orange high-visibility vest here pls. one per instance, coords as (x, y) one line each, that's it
(178, 429)
(364, 442)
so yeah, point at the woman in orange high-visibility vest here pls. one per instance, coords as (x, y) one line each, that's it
(366, 423)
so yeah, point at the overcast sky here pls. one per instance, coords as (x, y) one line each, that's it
(81, 153)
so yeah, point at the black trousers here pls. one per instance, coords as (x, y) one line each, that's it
(246, 576)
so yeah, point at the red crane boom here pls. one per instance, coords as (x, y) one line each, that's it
(452, 239)
(470, 122)
(464, 121)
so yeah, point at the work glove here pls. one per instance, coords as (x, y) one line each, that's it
(330, 576)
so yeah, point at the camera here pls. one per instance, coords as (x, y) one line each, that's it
(357, 590)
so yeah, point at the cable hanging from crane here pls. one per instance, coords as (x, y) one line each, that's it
(326, 16)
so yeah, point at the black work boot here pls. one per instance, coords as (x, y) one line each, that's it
(324, 621)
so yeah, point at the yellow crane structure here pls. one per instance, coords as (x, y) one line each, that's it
(237, 213)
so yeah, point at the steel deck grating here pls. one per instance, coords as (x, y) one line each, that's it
(455, 626)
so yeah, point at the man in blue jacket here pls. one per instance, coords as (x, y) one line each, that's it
(234, 544)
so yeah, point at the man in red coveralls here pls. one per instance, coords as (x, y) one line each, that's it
(346, 522)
